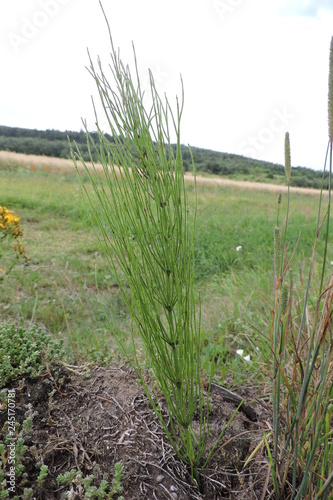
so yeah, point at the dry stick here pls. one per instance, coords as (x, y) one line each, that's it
(235, 399)
(111, 400)
(264, 490)
(49, 374)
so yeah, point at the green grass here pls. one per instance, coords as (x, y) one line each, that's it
(68, 289)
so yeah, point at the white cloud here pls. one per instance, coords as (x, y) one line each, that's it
(313, 8)
(239, 68)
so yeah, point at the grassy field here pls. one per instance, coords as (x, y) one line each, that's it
(68, 289)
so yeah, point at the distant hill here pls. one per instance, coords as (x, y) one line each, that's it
(43, 142)
(55, 143)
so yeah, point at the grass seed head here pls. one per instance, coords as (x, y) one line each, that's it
(330, 95)
(284, 299)
(287, 163)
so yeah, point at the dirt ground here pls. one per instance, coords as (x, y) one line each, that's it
(90, 421)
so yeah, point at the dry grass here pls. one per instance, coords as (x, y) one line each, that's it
(50, 164)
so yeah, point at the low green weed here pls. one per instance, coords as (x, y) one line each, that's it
(22, 432)
(44, 469)
(82, 487)
(25, 351)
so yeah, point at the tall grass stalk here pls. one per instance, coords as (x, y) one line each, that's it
(140, 208)
(302, 346)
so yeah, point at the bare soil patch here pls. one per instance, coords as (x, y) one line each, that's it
(91, 422)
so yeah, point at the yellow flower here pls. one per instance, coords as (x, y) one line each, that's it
(10, 224)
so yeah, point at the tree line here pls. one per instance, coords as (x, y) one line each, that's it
(43, 142)
(55, 143)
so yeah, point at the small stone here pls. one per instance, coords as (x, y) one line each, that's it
(174, 495)
(173, 488)
(160, 478)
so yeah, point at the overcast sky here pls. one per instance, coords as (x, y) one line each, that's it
(252, 69)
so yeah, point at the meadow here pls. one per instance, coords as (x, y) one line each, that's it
(167, 297)
(68, 289)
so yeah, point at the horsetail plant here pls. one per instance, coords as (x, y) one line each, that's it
(302, 345)
(140, 208)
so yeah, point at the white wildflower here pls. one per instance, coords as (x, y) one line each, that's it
(240, 352)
